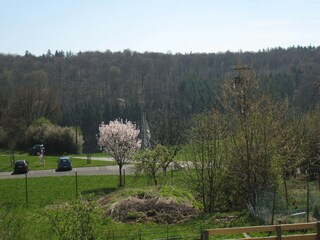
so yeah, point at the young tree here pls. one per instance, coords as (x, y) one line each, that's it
(289, 142)
(150, 161)
(250, 115)
(120, 139)
(311, 145)
(207, 145)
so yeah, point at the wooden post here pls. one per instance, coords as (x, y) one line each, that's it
(278, 232)
(205, 235)
(318, 230)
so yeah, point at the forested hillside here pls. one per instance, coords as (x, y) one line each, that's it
(87, 88)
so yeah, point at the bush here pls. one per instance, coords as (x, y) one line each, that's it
(57, 140)
(76, 221)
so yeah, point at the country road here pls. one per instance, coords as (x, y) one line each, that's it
(107, 159)
(102, 170)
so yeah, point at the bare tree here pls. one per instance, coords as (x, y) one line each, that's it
(207, 154)
(33, 99)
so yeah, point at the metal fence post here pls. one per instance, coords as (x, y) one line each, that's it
(89, 157)
(12, 159)
(167, 231)
(26, 180)
(76, 184)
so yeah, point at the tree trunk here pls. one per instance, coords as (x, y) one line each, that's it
(285, 187)
(155, 181)
(120, 176)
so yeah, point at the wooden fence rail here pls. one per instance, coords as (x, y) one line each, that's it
(276, 232)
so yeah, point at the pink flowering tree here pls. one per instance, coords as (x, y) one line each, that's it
(120, 139)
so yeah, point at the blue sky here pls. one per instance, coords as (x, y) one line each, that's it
(157, 25)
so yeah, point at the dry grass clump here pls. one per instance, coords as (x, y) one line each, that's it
(148, 207)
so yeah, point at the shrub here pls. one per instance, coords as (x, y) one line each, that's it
(56, 139)
(75, 221)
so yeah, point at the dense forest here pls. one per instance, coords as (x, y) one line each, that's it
(87, 88)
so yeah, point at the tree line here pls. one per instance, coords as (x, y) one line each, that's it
(250, 143)
(87, 88)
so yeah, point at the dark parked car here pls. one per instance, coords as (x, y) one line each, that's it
(36, 149)
(21, 166)
(64, 163)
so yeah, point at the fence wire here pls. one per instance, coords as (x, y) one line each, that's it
(299, 205)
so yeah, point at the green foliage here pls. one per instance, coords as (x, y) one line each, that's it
(150, 161)
(311, 144)
(204, 170)
(42, 121)
(75, 221)
(252, 129)
(57, 140)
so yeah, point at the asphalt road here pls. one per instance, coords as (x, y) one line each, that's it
(102, 170)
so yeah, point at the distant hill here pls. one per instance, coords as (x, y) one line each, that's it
(89, 87)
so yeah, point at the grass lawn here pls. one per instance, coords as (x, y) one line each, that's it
(50, 162)
(46, 192)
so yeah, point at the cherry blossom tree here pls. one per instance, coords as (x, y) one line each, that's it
(120, 139)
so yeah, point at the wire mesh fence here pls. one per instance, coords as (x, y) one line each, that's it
(42, 191)
(51, 190)
(298, 204)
